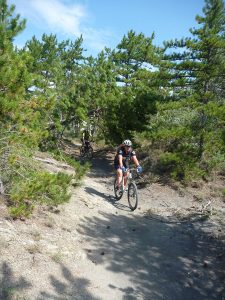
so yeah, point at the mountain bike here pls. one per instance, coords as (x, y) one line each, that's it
(132, 191)
(86, 151)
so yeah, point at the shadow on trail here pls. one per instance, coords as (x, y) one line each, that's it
(10, 286)
(161, 260)
(93, 191)
(68, 287)
(109, 198)
(119, 205)
(102, 164)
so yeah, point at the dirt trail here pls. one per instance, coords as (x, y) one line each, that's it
(96, 248)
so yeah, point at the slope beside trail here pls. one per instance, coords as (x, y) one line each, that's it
(96, 248)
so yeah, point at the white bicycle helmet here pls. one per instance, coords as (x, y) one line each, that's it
(127, 143)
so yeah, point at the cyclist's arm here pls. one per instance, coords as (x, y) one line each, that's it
(135, 160)
(120, 157)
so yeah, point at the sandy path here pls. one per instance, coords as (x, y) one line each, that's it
(96, 248)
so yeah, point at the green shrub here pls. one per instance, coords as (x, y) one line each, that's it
(41, 187)
(178, 168)
(38, 188)
(169, 161)
(172, 164)
(26, 183)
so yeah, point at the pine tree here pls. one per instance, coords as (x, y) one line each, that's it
(193, 124)
(129, 109)
(12, 68)
(55, 67)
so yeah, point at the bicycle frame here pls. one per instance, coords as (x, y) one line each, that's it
(130, 176)
(132, 192)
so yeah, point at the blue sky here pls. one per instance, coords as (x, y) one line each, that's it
(104, 22)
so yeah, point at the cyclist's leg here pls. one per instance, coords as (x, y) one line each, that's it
(126, 176)
(119, 176)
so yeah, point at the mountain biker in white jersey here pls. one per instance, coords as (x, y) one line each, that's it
(124, 155)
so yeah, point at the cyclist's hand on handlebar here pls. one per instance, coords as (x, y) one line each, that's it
(124, 169)
(139, 169)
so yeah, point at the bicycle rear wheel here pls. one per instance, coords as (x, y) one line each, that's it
(132, 195)
(118, 193)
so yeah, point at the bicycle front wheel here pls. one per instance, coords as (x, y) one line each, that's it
(90, 152)
(118, 193)
(82, 151)
(132, 195)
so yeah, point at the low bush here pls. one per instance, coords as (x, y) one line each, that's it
(27, 184)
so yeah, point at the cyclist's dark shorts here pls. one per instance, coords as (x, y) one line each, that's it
(117, 166)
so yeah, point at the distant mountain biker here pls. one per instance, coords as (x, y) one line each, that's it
(86, 138)
(124, 155)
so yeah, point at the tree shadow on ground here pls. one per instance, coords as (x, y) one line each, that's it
(10, 287)
(102, 164)
(69, 287)
(109, 198)
(163, 260)
(94, 192)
